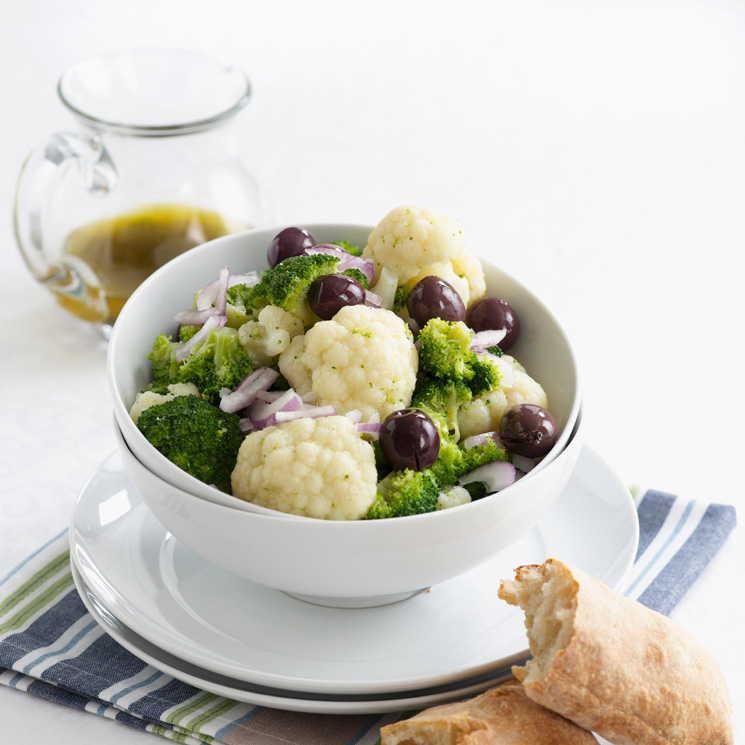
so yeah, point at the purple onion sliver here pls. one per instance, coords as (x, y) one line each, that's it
(194, 317)
(485, 339)
(373, 300)
(221, 296)
(523, 463)
(370, 428)
(327, 248)
(482, 439)
(497, 475)
(250, 279)
(207, 295)
(310, 412)
(269, 396)
(366, 266)
(263, 413)
(212, 322)
(245, 392)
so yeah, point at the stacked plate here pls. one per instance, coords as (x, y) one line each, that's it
(229, 636)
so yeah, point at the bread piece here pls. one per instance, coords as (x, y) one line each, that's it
(613, 666)
(502, 716)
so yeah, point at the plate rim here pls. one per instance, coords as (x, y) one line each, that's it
(260, 695)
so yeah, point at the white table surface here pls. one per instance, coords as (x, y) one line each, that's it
(595, 150)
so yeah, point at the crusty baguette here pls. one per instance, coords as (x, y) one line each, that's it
(502, 716)
(612, 665)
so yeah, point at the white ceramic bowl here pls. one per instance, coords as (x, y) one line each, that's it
(543, 347)
(347, 564)
(358, 563)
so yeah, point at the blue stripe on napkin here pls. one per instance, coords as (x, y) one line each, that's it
(52, 648)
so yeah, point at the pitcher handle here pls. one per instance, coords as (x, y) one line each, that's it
(35, 184)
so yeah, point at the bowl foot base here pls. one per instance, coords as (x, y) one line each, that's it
(368, 602)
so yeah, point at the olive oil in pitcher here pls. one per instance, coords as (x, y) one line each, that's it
(121, 252)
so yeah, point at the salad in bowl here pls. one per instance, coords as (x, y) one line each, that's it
(376, 374)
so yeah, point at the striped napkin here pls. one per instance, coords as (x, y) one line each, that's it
(52, 647)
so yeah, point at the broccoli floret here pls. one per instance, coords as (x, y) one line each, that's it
(449, 464)
(442, 398)
(445, 353)
(405, 492)
(478, 455)
(476, 490)
(401, 297)
(186, 332)
(486, 375)
(165, 365)
(453, 460)
(381, 464)
(359, 275)
(349, 248)
(286, 285)
(199, 438)
(445, 349)
(217, 362)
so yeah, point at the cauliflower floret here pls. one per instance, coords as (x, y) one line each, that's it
(453, 496)
(362, 359)
(415, 242)
(314, 467)
(484, 412)
(146, 399)
(269, 336)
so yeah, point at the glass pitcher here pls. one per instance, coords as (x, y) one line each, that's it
(151, 170)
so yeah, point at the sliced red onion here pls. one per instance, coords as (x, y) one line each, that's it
(215, 293)
(485, 339)
(312, 412)
(246, 425)
(263, 413)
(327, 248)
(207, 296)
(194, 317)
(483, 439)
(370, 428)
(221, 298)
(366, 266)
(497, 475)
(249, 279)
(373, 300)
(354, 416)
(213, 322)
(269, 395)
(246, 391)
(523, 463)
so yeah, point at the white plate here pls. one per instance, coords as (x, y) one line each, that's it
(218, 621)
(274, 697)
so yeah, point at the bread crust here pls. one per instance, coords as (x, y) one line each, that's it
(503, 715)
(628, 673)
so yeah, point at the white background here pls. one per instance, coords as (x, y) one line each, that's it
(595, 150)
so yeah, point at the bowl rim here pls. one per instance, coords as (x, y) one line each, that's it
(321, 227)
